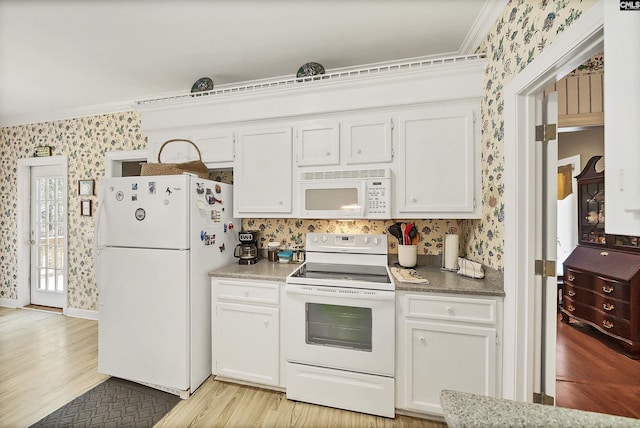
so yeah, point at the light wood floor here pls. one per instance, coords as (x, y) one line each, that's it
(46, 360)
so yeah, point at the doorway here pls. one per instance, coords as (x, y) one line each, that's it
(47, 236)
(582, 40)
(42, 232)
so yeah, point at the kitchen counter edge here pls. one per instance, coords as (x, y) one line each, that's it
(462, 409)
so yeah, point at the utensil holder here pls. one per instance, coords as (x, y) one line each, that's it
(407, 255)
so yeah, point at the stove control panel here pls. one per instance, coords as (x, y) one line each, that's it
(347, 243)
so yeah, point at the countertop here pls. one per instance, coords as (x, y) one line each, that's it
(441, 281)
(462, 409)
(428, 267)
(263, 270)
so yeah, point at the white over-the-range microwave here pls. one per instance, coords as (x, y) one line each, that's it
(346, 194)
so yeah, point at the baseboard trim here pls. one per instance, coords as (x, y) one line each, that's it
(9, 303)
(82, 313)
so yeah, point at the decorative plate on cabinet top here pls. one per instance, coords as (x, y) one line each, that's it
(310, 69)
(202, 84)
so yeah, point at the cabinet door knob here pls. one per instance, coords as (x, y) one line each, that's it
(328, 153)
(450, 310)
(266, 323)
(422, 339)
(280, 202)
(359, 151)
(414, 199)
(246, 293)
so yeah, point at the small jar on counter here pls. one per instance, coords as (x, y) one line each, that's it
(272, 251)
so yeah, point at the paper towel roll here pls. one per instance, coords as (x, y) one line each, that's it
(451, 251)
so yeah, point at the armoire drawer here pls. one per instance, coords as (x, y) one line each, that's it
(611, 288)
(615, 307)
(607, 323)
(575, 277)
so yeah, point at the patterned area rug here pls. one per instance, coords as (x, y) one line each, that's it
(113, 403)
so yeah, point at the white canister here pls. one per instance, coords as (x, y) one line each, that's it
(407, 255)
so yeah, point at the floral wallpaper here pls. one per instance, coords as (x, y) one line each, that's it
(525, 29)
(84, 141)
(292, 232)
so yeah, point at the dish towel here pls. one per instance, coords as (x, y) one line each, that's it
(408, 275)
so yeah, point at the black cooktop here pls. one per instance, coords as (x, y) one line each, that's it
(344, 272)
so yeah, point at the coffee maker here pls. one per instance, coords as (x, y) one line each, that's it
(247, 249)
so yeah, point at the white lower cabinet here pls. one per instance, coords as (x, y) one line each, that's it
(445, 342)
(246, 331)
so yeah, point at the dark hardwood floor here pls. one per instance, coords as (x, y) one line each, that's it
(592, 374)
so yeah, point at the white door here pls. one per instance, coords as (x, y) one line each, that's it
(48, 235)
(143, 328)
(545, 283)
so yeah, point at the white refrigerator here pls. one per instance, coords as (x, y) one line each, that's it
(157, 237)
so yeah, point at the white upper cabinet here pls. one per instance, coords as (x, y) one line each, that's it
(621, 127)
(368, 139)
(318, 144)
(263, 169)
(215, 145)
(438, 172)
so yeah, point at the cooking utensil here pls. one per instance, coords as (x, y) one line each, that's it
(407, 239)
(416, 238)
(403, 228)
(412, 233)
(394, 230)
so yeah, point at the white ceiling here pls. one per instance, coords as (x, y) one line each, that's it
(62, 57)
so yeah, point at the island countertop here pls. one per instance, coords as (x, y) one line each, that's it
(463, 409)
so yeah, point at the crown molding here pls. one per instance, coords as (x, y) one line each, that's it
(74, 113)
(491, 11)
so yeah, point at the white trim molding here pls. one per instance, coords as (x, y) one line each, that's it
(9, 303)
(82, 313)
(579, 42)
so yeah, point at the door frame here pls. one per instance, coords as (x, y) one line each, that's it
(578, 43)
(23, 249)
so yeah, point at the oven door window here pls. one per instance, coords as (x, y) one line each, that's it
(339, 326)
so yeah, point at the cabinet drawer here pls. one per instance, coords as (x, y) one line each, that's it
(248, 292)
(603, 286)
(617, 308)
(451, 308)
(611, 288)
(604, 322)
(578, 278)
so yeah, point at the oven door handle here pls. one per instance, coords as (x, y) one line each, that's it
(341, 293)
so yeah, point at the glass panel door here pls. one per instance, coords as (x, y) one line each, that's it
(48, 236)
